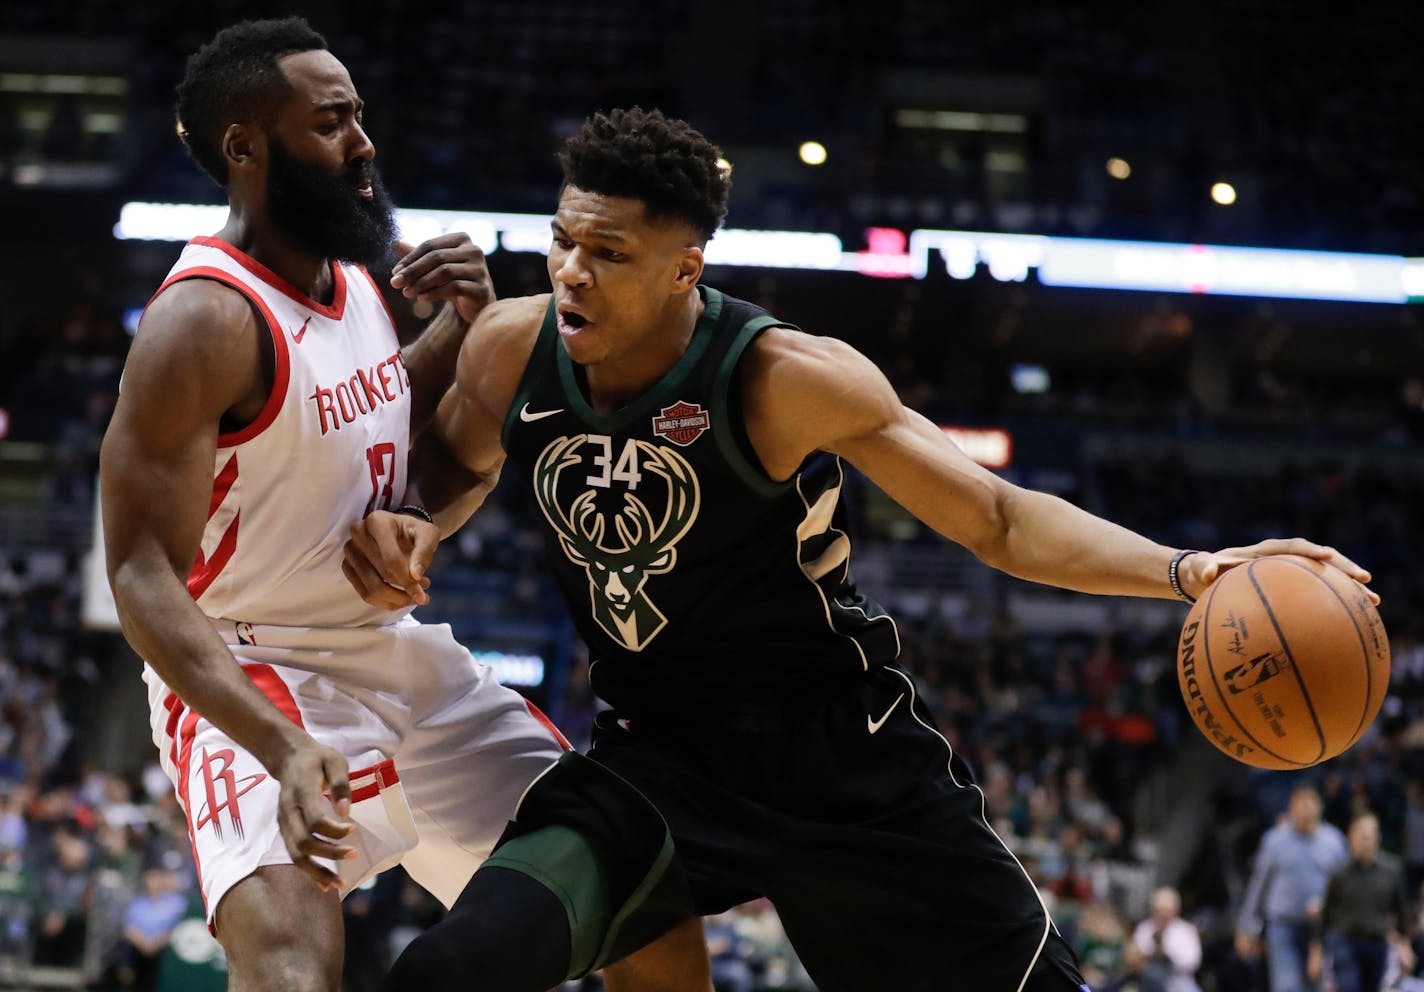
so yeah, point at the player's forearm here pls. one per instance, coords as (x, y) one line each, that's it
(1049, 540)
(166, 628)
(449, 490)
(430, 362)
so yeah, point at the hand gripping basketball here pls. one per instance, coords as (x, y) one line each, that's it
(1201, 569)
(1283, 661)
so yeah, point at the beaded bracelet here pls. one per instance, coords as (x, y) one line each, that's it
(416, 510)
(1175, 580)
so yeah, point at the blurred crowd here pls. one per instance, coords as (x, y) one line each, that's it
(1077, 736)
(477, 93)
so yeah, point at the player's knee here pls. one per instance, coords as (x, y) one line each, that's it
(290, 975)
(426, 965)
(285, 964)
(482, 952)
(280, 932)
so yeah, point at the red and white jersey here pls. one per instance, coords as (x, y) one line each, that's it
(329, 446)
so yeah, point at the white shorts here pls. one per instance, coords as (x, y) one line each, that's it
(440, 753)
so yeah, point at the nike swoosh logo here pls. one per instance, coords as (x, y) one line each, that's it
(301, 331)
(874, 725)
(529, 418)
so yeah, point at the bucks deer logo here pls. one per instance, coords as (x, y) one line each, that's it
(646, 543)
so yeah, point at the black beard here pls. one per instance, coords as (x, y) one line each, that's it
(322, 213)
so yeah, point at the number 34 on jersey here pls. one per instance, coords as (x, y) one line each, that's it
(638, 539)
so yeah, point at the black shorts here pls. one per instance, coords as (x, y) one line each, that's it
(845, 807)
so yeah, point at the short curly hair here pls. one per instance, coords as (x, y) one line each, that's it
(664, 162)
(235, 77)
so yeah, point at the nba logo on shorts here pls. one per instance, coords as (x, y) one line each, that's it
(245, 633)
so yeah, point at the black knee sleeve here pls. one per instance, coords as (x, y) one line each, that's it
(507, 933)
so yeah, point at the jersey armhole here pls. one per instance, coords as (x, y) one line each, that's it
(529, 379)
(729, 430)
(282, 369)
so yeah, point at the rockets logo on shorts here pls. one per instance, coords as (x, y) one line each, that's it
(218, 776)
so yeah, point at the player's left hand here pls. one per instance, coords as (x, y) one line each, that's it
(1202, 569)
(450, 268)
(386, 558)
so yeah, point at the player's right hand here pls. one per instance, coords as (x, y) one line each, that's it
(386, 558)
(309, 827)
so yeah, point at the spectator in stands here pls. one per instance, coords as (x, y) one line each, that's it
(1100, 942)
(1413, 834)
(1287, 888)
(1139, 973)
(1167, 939)
(64, 896)
(149, 920)
(16, 906)
(731, 969)
(1364, 912)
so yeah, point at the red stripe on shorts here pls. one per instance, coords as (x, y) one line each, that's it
(538, 714)
(270, 683)
(383, 776)
(183, 752)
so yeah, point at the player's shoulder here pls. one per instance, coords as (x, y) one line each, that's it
(515, 317)
(216, 304)
(811, 371)
(498, 346)
(791, 352)
(208, 322)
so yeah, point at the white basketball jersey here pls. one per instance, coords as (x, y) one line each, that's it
(329, 446)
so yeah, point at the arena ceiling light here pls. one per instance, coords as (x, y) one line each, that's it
(812, 152)
(1223, 193)
(961, 120)
(1089, 263)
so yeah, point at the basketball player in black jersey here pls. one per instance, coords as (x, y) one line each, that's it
(685, 452)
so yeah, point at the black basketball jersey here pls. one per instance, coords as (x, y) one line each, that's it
(689, 572)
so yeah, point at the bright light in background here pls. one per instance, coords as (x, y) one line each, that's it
(724, 167)
(1082, 262)
(1223, 193)
(1118, 168)
(813, 152)
(1027, 379)
(513, 669)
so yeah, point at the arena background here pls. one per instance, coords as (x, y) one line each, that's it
(1022, 214)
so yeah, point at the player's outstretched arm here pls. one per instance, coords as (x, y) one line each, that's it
(805, 393)
(195, 356)
(455, 463)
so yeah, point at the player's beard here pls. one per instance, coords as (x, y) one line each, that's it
(322, 213)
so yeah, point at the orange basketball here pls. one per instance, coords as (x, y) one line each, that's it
(1283, 662)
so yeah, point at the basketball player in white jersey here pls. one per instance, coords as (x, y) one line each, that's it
(314, 739)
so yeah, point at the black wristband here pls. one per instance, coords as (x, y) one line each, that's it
(415, 510)
(1173, 578)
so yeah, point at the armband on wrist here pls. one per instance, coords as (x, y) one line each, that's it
(1174, 577)
(415, 510)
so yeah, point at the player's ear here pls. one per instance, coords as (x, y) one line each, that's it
(239, 147)
(689, 268)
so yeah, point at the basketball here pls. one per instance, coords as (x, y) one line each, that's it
(1283, 662)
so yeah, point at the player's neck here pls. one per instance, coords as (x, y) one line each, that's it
(616, 382)
(309, 275)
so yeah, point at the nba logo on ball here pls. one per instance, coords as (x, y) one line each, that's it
(1283, 662)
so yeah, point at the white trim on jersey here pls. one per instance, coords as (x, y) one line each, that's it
(983, 815)
(817, 521)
